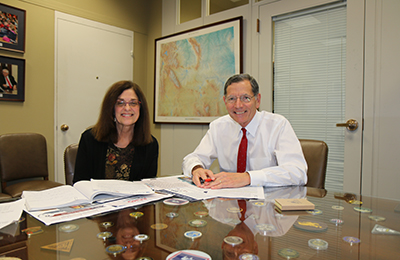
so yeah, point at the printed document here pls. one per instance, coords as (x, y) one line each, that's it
(10, 212)
(83, 192)
(63, 214)
(181, 188)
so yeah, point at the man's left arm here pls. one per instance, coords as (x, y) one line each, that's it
(291, 168)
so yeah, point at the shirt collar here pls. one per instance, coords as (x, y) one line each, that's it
(251, 128)
(254, 123)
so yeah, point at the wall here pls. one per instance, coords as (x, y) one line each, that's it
(154, 32)
(180, 139)
(36, 114)
(382, 119)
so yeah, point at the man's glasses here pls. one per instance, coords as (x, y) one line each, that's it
(243, 99)
(132, 103)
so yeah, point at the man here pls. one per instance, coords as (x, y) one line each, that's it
(273, 158)
(7, 82)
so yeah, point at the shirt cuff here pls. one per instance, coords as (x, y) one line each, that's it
(256, 178)
(187, 171)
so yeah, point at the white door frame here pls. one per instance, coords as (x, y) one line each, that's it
(354, 73)
(89, 57)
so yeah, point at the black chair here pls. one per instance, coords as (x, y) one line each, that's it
(316, 155)
(23, 161)
(69, 162)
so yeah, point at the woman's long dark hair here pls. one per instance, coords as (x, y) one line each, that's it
(105, 129)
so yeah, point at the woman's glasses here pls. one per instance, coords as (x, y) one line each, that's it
(132, 103)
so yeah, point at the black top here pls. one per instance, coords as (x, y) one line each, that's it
(91, 158)
(119, 162)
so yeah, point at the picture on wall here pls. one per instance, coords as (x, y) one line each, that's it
(12, 28)
(12, 79)
(191, 68)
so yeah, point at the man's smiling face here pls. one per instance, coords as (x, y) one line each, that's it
(240, 111)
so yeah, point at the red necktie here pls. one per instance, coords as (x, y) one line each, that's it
(9, 83)
(242, 153)
(243, 208)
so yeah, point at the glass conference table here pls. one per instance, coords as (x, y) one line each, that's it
(339, 222)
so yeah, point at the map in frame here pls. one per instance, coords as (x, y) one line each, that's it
(191, 69)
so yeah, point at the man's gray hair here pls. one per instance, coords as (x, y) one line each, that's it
(242, 77)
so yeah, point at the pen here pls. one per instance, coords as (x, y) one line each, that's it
(205, 180)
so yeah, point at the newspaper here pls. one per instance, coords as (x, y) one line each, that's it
(63, 214)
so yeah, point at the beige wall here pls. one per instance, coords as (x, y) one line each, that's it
(154, 32)
(36, 114)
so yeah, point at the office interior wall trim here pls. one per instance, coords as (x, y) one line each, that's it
(381, 106)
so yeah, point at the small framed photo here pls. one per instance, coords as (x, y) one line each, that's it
(12, 79)
(12, 28)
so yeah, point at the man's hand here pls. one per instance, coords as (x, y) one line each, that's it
(199, 173)
(229, 180)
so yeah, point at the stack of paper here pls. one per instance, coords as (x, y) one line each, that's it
(62, 214)
(83, 192)
(10, 212)
(179, 187)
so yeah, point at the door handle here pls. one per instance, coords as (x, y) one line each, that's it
(64, 127)
(351, 124)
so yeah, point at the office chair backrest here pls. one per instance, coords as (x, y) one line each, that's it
(69, 162)
(316, 155)
(22, 156)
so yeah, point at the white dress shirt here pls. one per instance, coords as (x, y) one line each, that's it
(274, 154)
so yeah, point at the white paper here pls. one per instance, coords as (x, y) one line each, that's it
(54, 197)
(83, 192)
(171, 182)
(114, 188)
(11, 212)
(137, 200)
(247, 192)
(64, 214)
(123, 188)
(182, 188)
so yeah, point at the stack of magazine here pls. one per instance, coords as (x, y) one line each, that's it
(87, 198)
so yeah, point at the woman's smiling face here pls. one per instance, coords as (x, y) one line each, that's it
(126, 113)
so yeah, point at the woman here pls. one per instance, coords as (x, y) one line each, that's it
(120, 145)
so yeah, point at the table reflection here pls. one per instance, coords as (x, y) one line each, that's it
(249, 218)
(124, 226)
(126, 231)
(261, 230)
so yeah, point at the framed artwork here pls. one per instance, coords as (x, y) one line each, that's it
(12, 79)
(12, 28)
(191, 68)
